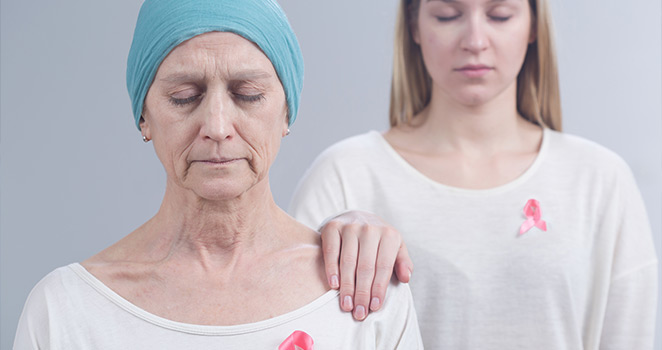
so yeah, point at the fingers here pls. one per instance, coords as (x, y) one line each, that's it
(365, 271)
(360, 252)
(350, 247)
(388, 249)
(403, 264)
(331, 250)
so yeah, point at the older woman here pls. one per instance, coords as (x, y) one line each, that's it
(215, 85)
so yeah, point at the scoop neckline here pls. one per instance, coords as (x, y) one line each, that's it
(197, 329)
(527, 174)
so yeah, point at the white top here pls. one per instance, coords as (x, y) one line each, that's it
(71, 309)
(587, 282)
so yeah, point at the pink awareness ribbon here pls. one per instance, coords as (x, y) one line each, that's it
(533, 217)
(297, 341)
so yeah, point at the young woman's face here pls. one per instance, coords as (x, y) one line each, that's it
(473, 49)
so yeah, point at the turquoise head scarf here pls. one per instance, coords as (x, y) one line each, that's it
(164, 24)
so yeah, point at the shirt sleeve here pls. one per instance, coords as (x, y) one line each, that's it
(320, 193)
(629, 321)
(33, 326)
(631, 309)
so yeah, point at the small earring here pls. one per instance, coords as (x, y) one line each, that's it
(145, 139)
(288, 132)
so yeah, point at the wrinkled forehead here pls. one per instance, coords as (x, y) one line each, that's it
(219, 49)
(217, 55)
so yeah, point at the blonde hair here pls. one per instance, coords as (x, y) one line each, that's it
(538, 96)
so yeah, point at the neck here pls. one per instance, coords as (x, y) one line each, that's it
(188, 226)
(447, 125)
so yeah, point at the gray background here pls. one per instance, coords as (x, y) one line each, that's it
(75, 176)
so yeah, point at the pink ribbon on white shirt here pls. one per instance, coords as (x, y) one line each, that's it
(533, 217)
(297, 341)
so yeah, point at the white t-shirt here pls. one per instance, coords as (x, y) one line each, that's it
(71, 309)
(588, 282)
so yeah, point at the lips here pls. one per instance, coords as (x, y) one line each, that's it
(217, 161)
(474, 70)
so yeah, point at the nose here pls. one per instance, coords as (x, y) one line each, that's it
(217, 123)
(474, 38)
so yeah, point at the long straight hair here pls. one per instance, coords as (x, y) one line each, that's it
(538, 96)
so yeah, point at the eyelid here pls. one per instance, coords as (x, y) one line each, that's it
(184, 101)
(500, 18)
(447, 18)
(502, 11)
(247, 91)
(447, 13)
(185, 90)
(249, 98)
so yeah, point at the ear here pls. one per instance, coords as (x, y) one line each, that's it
(286, 130)
(533, 32)
(286, 121)
(144, 127)
(415, 34)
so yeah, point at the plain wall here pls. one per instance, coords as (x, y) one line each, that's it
(76, 177)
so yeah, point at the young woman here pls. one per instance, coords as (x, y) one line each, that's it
(522, 236)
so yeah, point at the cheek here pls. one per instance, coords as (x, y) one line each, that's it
(173, 148)
(172, 139)
(436, 52)
(515, 49)
(264, 140)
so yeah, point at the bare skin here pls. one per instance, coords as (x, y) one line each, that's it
(171, 268)
(473, 148)
(219, 251)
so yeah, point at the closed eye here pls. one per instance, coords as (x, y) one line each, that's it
(447, 18)
(183, 101)
(248, 98)
(499, 18)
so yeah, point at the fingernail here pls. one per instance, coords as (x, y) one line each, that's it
(359, 313)
(409, 273)
(347, 303)
(334, 282)
(374, 304)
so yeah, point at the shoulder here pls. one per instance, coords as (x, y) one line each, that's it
(583, 155)
(48, 300)
(58, 282)
(398, 318)
(342, 164)
(398, 305)
(399, 292)
(65, 289)
(352, 149)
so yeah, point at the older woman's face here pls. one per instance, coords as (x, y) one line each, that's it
(216, 113)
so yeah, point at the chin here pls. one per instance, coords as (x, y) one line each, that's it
(222, 190)
(475, 96)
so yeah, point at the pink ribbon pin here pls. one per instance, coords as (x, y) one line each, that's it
(533, 217)
(297, 341)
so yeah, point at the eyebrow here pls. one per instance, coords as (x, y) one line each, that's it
(250, 75)
(180, 77)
